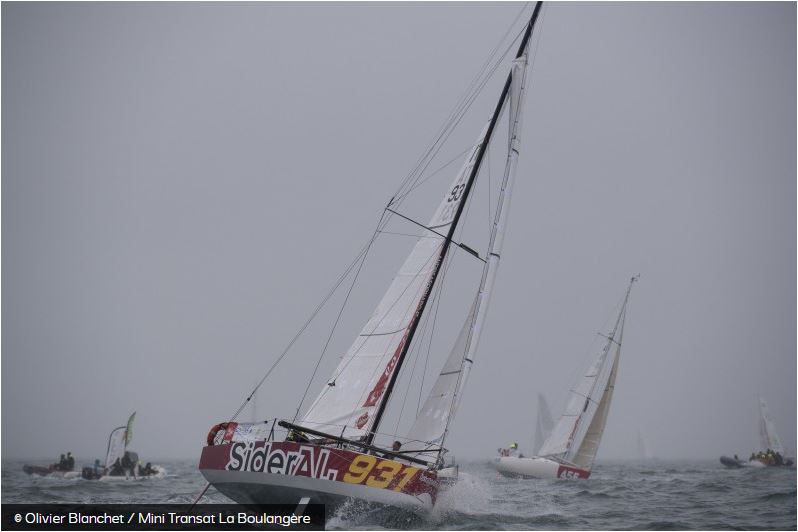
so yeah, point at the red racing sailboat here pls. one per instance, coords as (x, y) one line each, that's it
(334, 452)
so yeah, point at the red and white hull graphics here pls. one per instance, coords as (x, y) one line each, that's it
(537, 467)
(275, 472)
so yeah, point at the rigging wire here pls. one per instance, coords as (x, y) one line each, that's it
(490, 202)
(414, 355)
(430, 175)
(461, 106)
(429, 348)
(526, 75)
(468, 204)
(337, 319)
(404, 234)
(475, 87)
(456, 121)
(365, 391)
(450, 260)
(318, 308)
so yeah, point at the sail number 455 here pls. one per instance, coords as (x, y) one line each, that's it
(378, 473)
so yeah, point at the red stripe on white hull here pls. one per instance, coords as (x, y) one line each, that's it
(537, 467)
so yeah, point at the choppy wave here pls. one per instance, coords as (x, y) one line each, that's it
(661, 496)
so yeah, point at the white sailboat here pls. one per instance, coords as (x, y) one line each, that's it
(571, 447)
(333, 452)
(768, 437)
(643, 450)
(772, 450)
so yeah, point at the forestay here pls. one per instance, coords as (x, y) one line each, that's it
(429, 427)
(440, 407)
(543, 425)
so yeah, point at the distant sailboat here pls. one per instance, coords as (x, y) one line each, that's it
(570, 449)
(768, 437)
(772, 450)
(543, 425)
(643, 451)
(121, 464)
(332, 453)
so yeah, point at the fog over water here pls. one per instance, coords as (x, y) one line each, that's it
(183, 182)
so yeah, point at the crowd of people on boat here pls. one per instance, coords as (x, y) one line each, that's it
(769, 457)
(66, 463)
(511, 451)
(126, 466)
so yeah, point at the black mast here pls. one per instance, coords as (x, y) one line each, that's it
(445, 248)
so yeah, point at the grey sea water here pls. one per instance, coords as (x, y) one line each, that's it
(618, 496)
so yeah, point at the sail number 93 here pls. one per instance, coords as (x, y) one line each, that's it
(378, 473)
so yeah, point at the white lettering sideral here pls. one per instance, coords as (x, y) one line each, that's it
(261, 457)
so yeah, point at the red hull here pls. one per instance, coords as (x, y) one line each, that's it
(284, 472)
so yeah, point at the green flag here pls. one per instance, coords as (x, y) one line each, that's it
(129, 431)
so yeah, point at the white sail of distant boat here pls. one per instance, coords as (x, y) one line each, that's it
(571, 448)
(768, 437)
(118, 441)
(543, 425)
(643, 451)
(771, 452)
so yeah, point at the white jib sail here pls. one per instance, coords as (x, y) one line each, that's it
(439, 409)
(543, 425)
(348, 402)
(586, 454)
(429, 427)
(118, 441)
(767, 430)
(587, 399)
(578, 409)
(116, 446)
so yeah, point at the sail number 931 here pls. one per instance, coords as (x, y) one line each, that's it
(378, 473)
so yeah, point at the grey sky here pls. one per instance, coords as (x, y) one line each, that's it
(183, 182)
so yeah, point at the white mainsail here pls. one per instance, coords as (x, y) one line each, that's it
(577, 434)
(347, 403)
(767, 430)
(543, 425)
(116, 446)
(440, 407)
(592, 436)
(118, 441)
